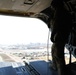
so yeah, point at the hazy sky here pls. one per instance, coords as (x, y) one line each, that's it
(15, 30)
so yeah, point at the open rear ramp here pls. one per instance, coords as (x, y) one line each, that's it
(41, 67)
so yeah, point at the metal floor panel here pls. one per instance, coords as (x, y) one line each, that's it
(12, 68)
(43, 68)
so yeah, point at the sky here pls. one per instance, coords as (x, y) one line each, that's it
(21, 30)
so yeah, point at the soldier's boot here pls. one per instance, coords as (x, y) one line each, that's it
(61, 67)
(53, 65)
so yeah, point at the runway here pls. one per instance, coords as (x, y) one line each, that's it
(6, 58)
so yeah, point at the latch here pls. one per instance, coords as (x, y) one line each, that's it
(29, 2)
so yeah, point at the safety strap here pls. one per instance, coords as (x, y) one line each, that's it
(71, 7)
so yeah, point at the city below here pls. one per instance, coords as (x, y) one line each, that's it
(24, 46)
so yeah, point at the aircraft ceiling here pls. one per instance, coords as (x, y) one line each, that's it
(23, 6)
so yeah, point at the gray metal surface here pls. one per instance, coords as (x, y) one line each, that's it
(12, 68)
(6, 69)
(18, 5)
(43, 68)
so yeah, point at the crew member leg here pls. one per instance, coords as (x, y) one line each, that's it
(58, 57)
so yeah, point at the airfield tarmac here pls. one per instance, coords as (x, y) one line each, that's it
(5, 58)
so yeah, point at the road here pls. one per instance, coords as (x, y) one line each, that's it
(6, 58)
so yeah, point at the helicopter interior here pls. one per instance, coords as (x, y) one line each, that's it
(31, 8)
